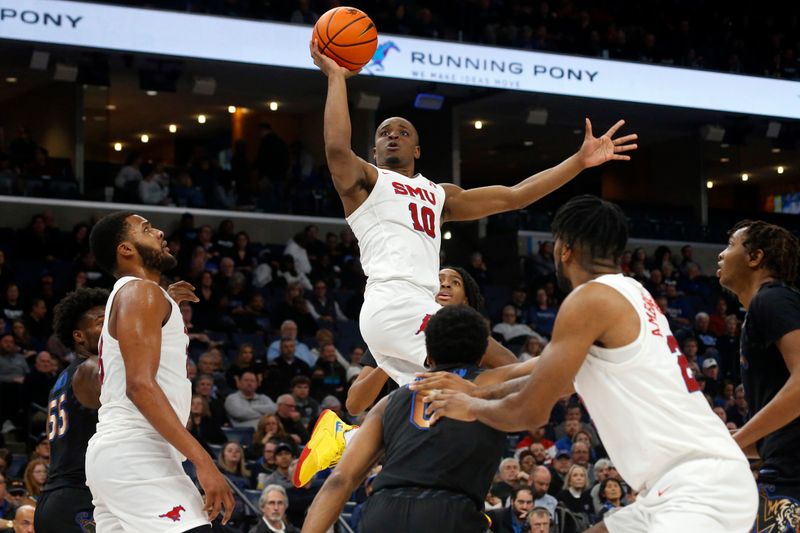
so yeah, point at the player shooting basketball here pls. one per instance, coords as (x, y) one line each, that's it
(397, 215)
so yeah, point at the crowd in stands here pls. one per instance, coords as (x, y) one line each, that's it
(706, 35)
(274, 340)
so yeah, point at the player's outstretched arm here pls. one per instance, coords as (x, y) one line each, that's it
(145, 308)
(349, 171)
(86, 383)
(360, 455)
(554, 370)
(473, 204)
(784, 406)
(362, 393)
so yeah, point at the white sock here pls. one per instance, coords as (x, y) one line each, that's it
(349, 434)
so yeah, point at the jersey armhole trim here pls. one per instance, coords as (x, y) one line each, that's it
(640, 338)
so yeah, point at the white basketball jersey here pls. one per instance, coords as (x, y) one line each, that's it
(116, 410)
(398, 228)
(647, 406)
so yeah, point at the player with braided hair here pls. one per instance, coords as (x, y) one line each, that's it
(760, 266)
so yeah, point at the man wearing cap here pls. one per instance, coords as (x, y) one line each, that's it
(559, 467)
(711, 373)
(17, 493)
(284, 455)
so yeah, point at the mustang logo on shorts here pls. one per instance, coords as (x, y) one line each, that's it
(174, 514)
(424, 324)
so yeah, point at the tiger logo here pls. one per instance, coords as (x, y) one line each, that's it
(778, 515)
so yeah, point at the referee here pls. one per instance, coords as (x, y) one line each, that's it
(760, 266)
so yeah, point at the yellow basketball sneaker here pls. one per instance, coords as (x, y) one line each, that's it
(324, 448)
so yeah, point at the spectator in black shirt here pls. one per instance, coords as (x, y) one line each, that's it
(290, 418)
(201, 424)
(329, 376)
(281, 371)
(12, 306)
(739, 412)
(41, 379)
(728, 349)
(38, 325)
(760, 265)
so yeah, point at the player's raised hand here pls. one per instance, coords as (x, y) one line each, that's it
(441, 380)
(450, 404)
(182, 291)
(597, 150)
(327, 65)
(218, 494)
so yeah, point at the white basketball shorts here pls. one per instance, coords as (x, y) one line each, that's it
(138, 484)
(699, 496)
(392, 321)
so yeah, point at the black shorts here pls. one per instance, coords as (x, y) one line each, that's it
(67, 510)
(421, 511)
(778, 505)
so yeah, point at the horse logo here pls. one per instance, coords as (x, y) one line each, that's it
(380, 54)
(174, 514)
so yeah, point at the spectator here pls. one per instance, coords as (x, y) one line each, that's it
(508, 329)
(334, 404)
(282, 370)
(716, 323)
(202, 425)
(272, 160)
(273, 504)
(204, 386)
(328, 376)
(542, 315)
(689, 347)
(284, 455)
(678, 307)
(527, 462)
(509, 473)
(245, 361)
(540, 482)
(246, 406)
(706, 339)
(478, 270)
(574, 412)
(301, 351)
(35, 477)
(7, 508)
(610, 496)
(252, 317)
(130, 172)
(539, 452)
(242, 255)
(23, 519)
(601, 472)
(559, 467)
(322, 307)
(151, 191)
(13, 369)
(575, 495)
(581, 455)
(12, 306)
(323, 337)
(41, 379)
(270, 428)
(728, 349)
(264, 466)
(739, 412)
(288, 310)
(231, 463)
(207, 365)
(307, 406)
(290, 418)
(519, 301)
(711, 373)
(539, 520)
(542, 264)
(38, 325)
(512, 519)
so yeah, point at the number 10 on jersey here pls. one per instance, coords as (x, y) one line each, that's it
(424, 219)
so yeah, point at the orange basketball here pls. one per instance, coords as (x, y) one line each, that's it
(348, 36)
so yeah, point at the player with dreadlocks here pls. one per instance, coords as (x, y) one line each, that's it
(66, 502)
(760, 266)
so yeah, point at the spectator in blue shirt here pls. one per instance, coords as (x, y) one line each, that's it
(542, 315)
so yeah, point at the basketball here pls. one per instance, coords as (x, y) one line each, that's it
(348, 36)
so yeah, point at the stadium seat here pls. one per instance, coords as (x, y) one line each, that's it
(18, 460)
(216, 449)
(242, 435)
(253, 496)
